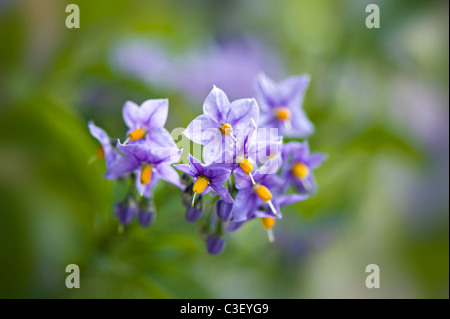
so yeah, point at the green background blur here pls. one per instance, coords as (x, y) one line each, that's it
(378, 98)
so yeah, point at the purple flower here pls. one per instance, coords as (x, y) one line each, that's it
(207, 178)
(281, 105)
(215, 244)
(253, 147)
(220, 123)
(146, 123)
(252, 200)
(149, 163)
(269, 152)
(298, 164)
(106, 150)
(244, 149)
(224, 210)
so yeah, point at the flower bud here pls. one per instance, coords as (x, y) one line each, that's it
(147, 212)
(224, 210)
(146, 218)
(193, 214)
(125, 211)
(215, 244)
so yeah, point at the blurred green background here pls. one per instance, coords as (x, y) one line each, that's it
(378, 98)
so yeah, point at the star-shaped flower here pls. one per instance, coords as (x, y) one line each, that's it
(220, 123)
(146, 122)
(251, 197)
(207, 178)
(149, 163)
(281, 105)
(298, 166)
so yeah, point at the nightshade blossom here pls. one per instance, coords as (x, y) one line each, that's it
(146, 122)
(242, 153)
(298, 166)
(106, 150)
(250, 198)
(281, 105)
(149, 163)
(251, 149)
(220, 123)
(206, 178)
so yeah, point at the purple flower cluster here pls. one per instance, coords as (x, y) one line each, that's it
(243, 144)
(245, 172)
(145, 156)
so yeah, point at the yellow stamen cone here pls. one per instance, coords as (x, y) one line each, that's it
(300, 170)
(226, 129)
(200, 184)
(263, 193)
(137, 134)
(268, 222)
(146, 174)
(283, 113)
(246, 166)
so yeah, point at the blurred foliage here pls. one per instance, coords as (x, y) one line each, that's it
(383, 194)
